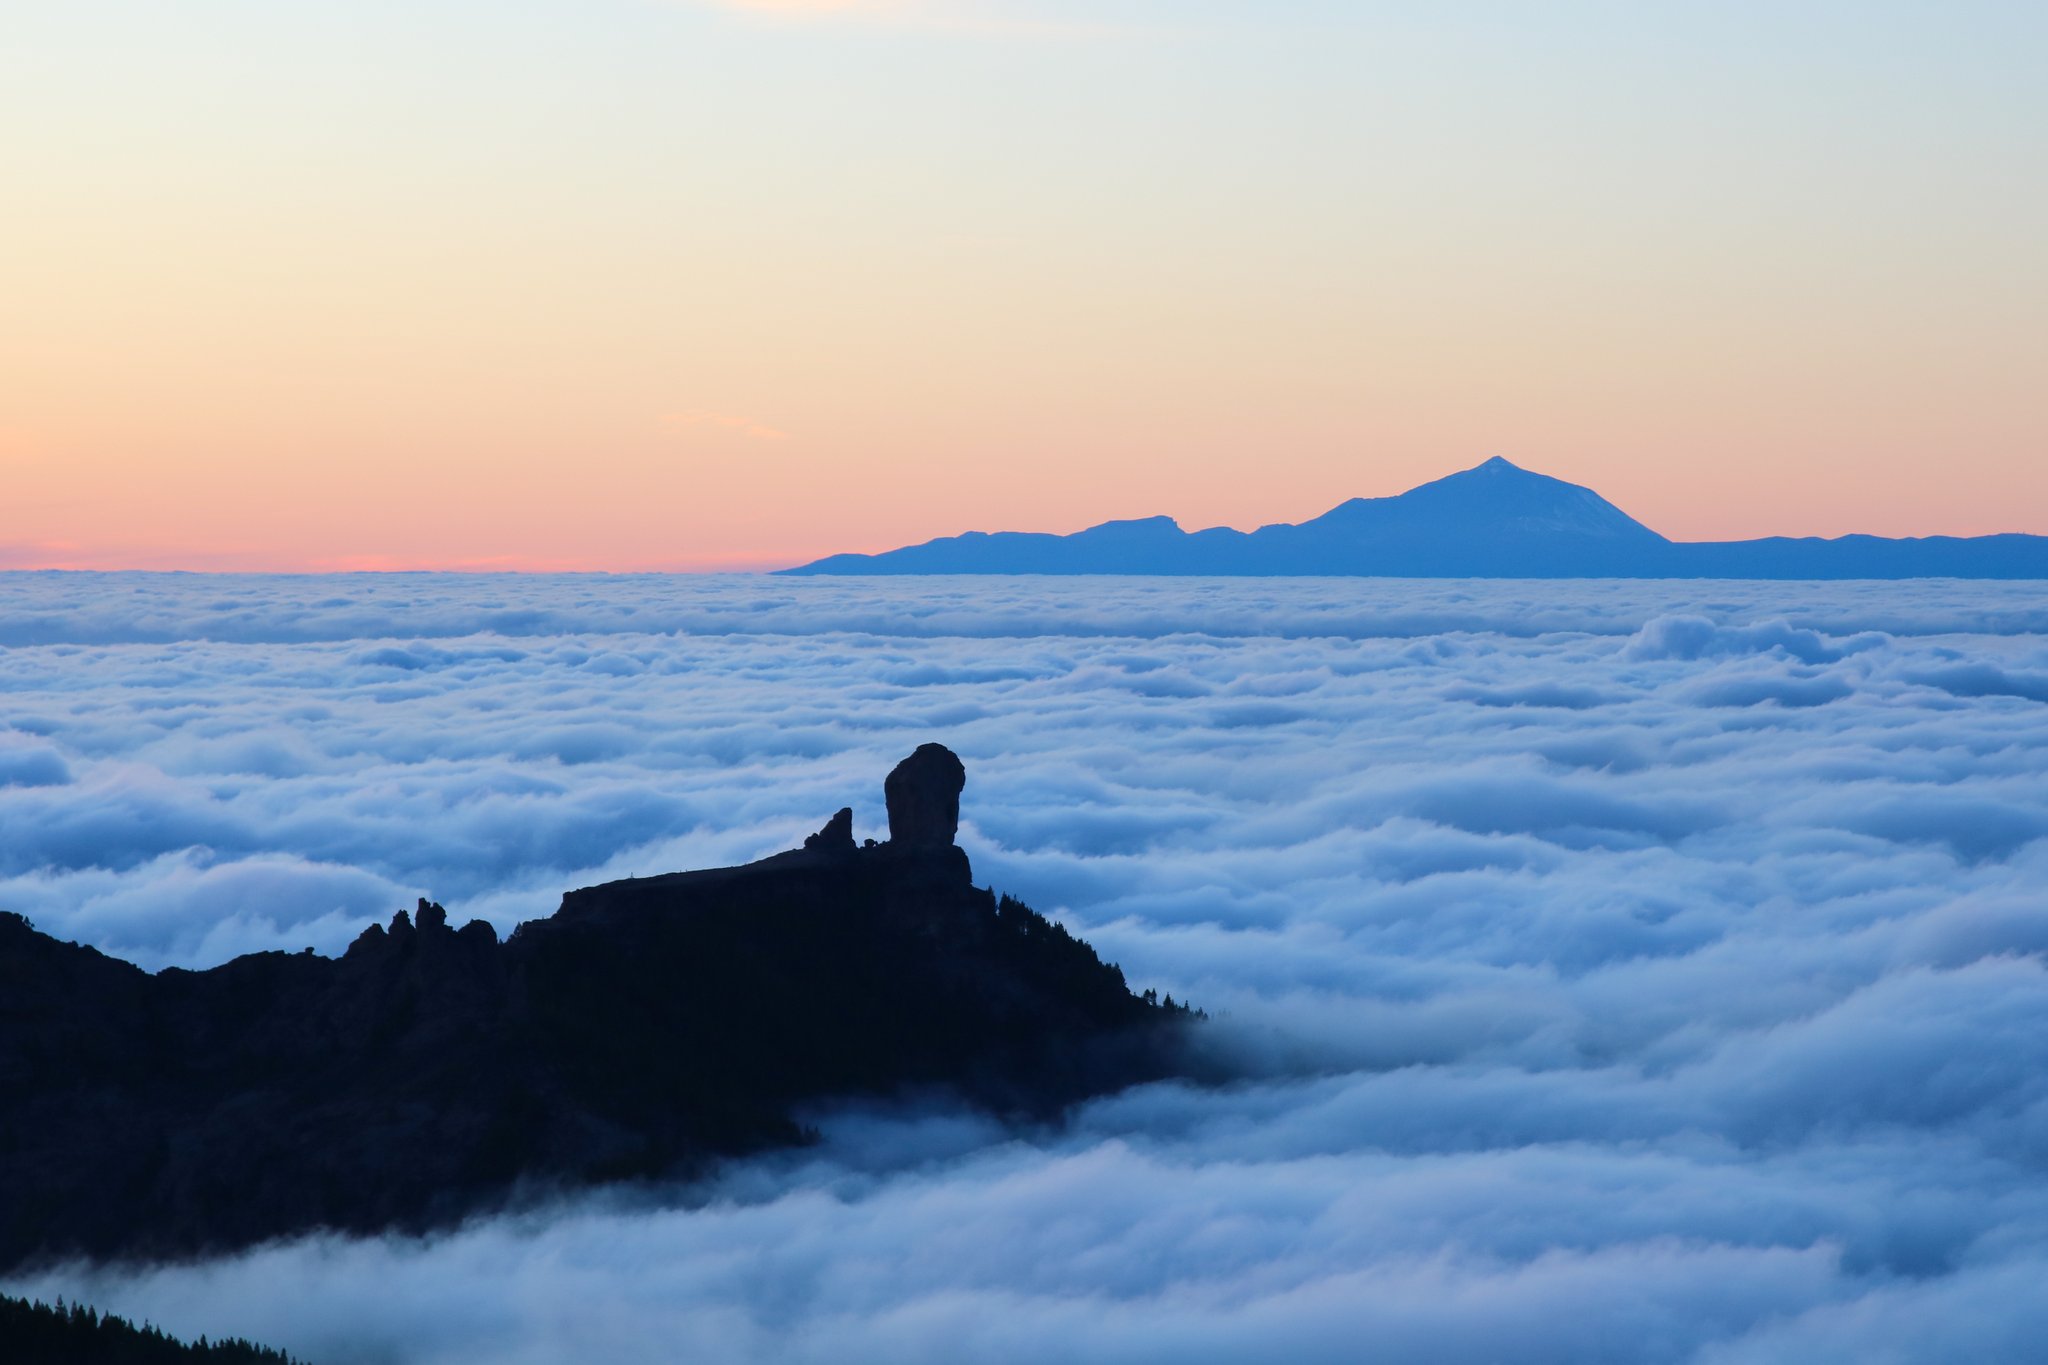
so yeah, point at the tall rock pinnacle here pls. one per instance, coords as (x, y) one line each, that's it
(923, 793)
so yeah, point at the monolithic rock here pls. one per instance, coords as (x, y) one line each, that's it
(923, 794)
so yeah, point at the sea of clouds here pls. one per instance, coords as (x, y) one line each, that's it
(1614, 971)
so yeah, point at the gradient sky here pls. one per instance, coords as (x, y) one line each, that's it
(664, 284)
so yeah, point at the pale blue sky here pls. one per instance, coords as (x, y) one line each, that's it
(1746, 268)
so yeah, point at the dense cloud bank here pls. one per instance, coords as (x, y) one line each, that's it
(48, 608)
(1621, 971)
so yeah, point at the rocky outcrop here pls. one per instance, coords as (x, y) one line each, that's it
(836, 837)
(923, 795)
(648, 1027)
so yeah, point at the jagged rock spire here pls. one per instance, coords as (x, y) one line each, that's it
(836, 837)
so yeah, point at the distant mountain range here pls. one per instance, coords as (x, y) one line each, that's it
(1496, 520)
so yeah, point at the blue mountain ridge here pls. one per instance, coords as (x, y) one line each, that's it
(1495, 520)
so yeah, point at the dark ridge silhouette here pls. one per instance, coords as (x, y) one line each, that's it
(35, 1333)
(648, 1027)
(1493, 521)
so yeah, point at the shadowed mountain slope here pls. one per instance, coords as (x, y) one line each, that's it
(648, 1027)
(34, 1333)
(1492, 521)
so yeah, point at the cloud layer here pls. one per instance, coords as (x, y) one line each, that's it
(1618, 971)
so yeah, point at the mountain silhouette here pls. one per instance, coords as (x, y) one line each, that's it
(1496, 520)
(37, 1333)
(648, 1027)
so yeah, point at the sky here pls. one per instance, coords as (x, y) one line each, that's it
(1630, 972)
(666, 284)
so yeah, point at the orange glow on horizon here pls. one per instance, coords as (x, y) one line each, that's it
(678, 287)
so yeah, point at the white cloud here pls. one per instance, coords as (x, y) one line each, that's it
(1641, 971)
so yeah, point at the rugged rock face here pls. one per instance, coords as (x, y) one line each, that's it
(836, 837)
(650, 1026)
(923, 794)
